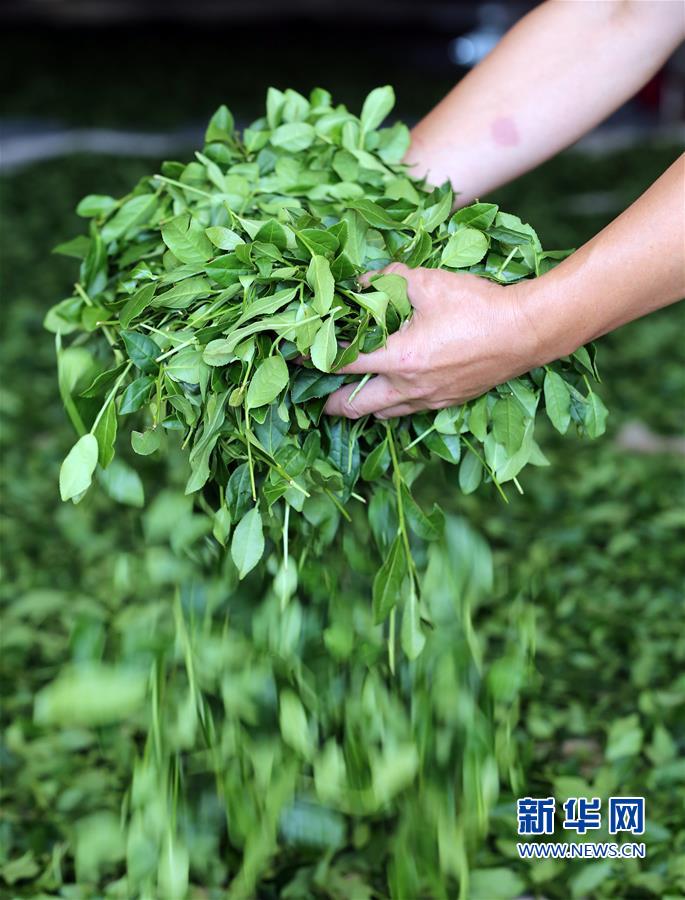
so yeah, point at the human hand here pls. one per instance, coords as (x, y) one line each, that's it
(465, 336)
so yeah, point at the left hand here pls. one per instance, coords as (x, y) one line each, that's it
(465, 336)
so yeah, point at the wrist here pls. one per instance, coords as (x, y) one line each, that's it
(557, 317)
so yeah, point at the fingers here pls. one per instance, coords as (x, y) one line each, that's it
(382, 360)
(395, 412)
(386, 360)
(375, 395)
(390, 358)
(393, 268)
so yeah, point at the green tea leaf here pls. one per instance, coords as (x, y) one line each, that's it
(376, 107)
(219, 352)
(272, 232)
(220, 126)
(105, 433)
(294, 726)
(223, 238)
(478, 215)
(318, 242)
(325, 347)
(95, 205)
(94, 266)
(413, 638)
(76, 472)
(395, 288)
(525, 396)
(374, 214)
(136, 211)
(497, 883)
(182, 295)
(138, 303)
(146, 442)
(267, 382)
(136, 394)
(393, 771)
(595, 416)
(122, 483)
(470, 473)
(141, 350)
(465, 248)
(174, 862)
(478, 418)
(310, 384)
(91, 695)
(185, 366)
(435, 215)
(508, 423)
(388, 581)
(222, 525)
(557, 401)
(377, 462)
(293, 136)
(625, 738)
(77, 247)
(320, 280)
(247, 545)
(103, 382)
(64, 317)
(426, 527)
(272, 431)
(186, 239)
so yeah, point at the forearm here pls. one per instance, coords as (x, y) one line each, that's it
(560, 71)
(633, 267)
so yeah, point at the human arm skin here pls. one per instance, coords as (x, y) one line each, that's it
(559, 72)
(467, 334)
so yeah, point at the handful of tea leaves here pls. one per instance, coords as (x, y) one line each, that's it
(200, 291)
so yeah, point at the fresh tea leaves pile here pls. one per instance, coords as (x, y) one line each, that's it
(201, 290)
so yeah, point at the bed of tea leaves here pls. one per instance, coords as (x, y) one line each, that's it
(593, 552)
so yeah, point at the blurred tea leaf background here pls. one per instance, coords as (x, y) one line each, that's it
(592, 555)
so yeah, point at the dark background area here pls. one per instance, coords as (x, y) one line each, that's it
(154, 65)
(158, 65)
